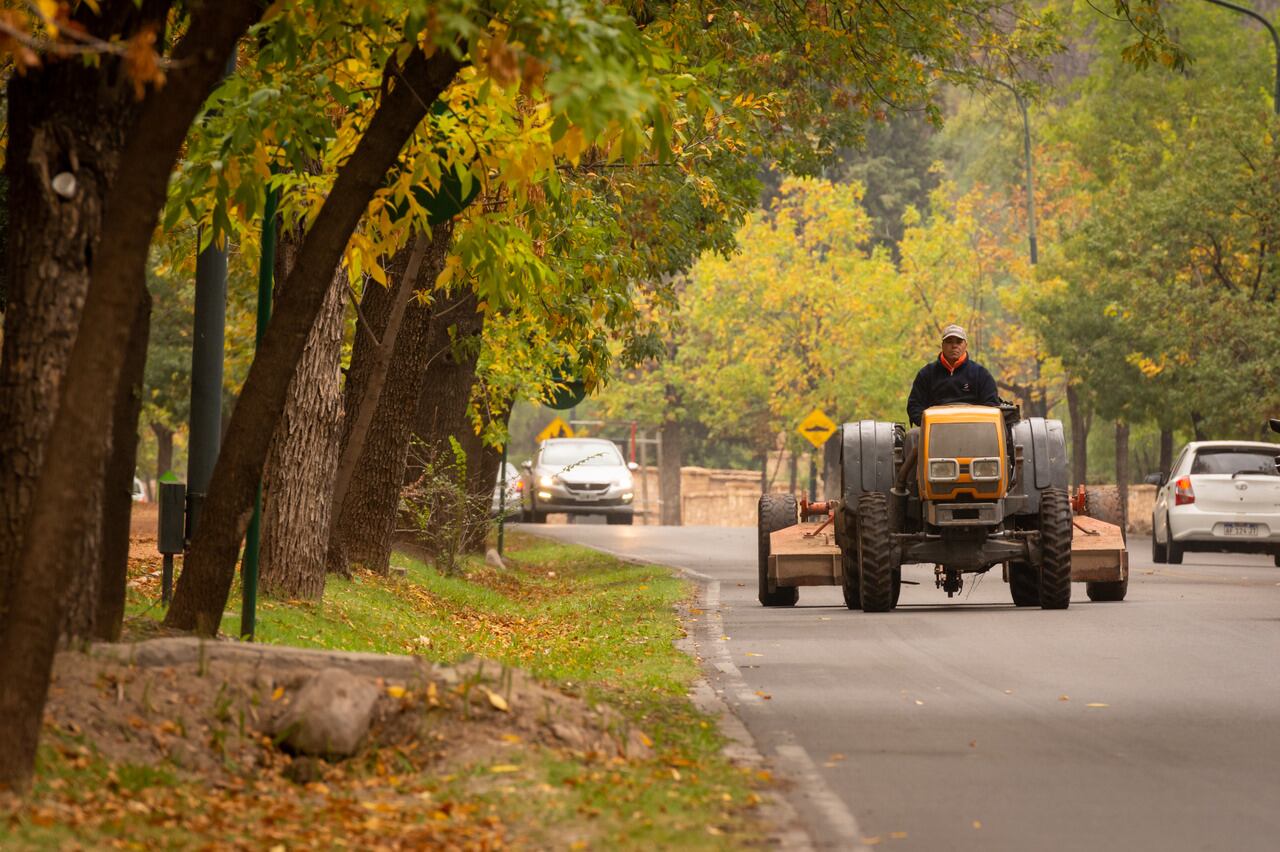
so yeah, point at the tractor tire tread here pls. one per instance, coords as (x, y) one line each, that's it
(877, 564)
(1055, 549)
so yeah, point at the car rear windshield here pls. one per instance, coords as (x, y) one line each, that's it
(587, 455)
(1229, 460)
(963, 440)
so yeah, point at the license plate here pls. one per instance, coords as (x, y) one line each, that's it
(1240, 529)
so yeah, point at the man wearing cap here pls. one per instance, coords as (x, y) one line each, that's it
(952, 377)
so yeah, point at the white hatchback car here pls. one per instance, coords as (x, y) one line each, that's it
(1221, 496)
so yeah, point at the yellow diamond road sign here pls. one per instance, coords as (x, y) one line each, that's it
(817, 428)
(555, 429)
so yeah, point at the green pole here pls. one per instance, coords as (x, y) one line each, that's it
(249, 568)
(502, 499)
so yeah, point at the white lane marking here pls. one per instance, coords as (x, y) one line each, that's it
(798, 765)
(793, 760)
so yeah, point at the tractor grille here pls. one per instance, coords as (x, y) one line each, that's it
(963, 440)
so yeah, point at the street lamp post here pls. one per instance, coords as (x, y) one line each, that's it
(1026, 150)
(1275, 40)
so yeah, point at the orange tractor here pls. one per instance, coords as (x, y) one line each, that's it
(980, 488)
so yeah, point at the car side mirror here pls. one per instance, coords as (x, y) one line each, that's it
(632, 466)
(527, 464)
(1275, 424)
(1154, 479)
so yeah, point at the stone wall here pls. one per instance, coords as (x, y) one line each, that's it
(727, 498)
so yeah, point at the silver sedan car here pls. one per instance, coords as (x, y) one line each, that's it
(579, 476)
(1221, 496)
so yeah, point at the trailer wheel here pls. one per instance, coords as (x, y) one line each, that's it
(1159, 552)
(1055, 549)
(1107, 591)
(876, 562)
(777, 512)
(1024, 584)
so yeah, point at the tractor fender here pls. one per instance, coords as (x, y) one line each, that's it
(866, 459)
(1044, 460)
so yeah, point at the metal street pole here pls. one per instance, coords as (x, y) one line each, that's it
(1275, 41)
(253, 537)
(502, 499)
(1026, 150)
(209, 327)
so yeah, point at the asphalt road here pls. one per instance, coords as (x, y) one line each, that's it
(1152, 724)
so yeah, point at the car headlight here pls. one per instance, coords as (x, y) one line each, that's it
(546, 481)
(943, 470)
(985, 468)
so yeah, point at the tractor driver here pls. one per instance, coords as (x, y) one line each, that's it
(952, 377)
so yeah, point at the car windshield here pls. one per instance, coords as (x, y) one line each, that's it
(585, 455)
(1231, 460)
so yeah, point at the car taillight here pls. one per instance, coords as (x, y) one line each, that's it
(1182, 493)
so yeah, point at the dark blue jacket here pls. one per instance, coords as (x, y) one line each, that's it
(936, 385)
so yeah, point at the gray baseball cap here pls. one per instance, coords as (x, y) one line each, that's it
(954, 330)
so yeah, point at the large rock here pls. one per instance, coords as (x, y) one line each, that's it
(329, 716)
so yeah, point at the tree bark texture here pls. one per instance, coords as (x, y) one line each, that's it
(117, 497)
(64, 118)
(298, 480)
(444, 399)
(363, 529)
(1122, 470)
(376, 366)
(205, 583)
(164, 452)
(59, 516)
(672, 437)
(1079, 436)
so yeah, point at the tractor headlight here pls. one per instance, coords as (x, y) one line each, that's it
(985, 468)
(944, 470)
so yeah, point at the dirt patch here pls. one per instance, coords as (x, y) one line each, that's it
(212, 716)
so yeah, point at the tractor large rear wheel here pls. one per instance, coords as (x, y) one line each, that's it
(877, 564)
(1055, 549)
(777, 512)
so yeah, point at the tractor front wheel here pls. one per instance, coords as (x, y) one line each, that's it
(877, 565)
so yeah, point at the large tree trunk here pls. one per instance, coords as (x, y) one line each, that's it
(117, 503)
(672, 437)
(444, 402)
(1079, 436)
(64, 119)
(205, 583)
(298, 480)
(58, 515)
(164, 452)
(363, 529)
(1122, 471)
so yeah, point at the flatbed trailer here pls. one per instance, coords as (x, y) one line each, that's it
(806, 554)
